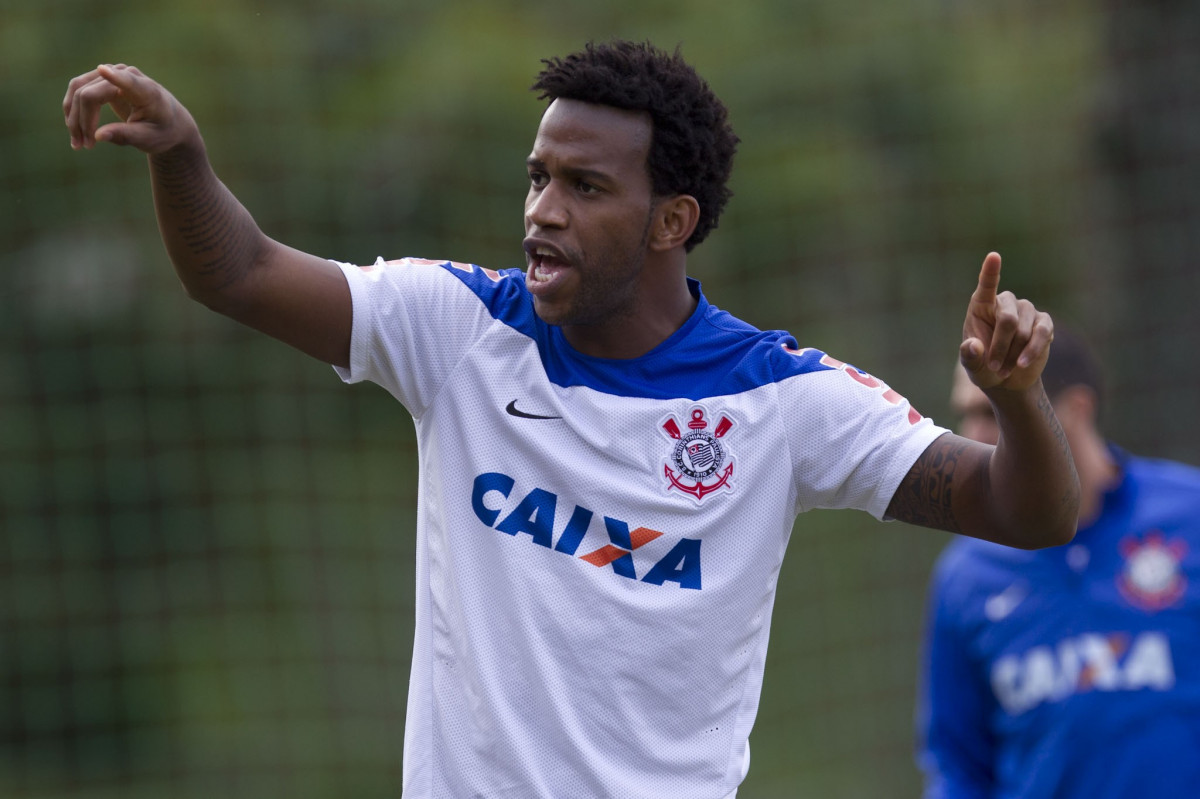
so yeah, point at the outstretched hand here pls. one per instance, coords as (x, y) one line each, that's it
(1006, 341)
(152, 120)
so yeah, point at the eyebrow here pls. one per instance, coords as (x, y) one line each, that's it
(579, 173)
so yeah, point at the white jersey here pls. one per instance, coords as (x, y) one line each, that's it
(598, 541)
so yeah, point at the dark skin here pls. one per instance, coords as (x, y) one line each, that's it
(221, 256)
(1009, 492)
(607, 263)
(605, 256)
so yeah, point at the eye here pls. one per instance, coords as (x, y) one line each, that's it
(538, 179)
(587, 188)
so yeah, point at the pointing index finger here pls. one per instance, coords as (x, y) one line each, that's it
(989, 280)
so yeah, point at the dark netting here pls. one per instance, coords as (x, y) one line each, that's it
(206, 541)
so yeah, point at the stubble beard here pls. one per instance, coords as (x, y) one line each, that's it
(605, 295)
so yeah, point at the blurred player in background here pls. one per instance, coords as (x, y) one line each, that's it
(610, 467)
(1072, 671)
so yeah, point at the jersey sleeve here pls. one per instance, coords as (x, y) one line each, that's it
(413, 321)
(852, 438)
(955, 751)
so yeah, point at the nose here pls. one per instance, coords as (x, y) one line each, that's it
(544, 207)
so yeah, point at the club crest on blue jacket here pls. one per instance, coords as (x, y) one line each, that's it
(1152, 578)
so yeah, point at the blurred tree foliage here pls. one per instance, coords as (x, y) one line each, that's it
(207, 583)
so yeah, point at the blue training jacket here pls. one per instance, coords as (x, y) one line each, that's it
(1072, 671)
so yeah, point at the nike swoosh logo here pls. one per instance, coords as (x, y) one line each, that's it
(511, 410)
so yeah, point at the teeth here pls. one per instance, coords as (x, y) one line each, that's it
(544, 251)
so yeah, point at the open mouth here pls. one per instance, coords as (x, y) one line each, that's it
(546, 266)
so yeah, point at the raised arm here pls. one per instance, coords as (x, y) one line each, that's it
(222, 257)
(1023, 492)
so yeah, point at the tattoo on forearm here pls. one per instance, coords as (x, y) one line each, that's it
(1047, 410)
(925, 496)
(210, 223)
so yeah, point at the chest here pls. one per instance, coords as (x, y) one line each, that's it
(1116, 616)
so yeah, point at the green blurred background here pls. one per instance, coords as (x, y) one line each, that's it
(206, 540)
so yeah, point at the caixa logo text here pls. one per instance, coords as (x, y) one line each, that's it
(1084, 663)
(537, 516)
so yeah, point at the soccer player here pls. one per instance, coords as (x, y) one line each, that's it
(610, 466)
(1072, 671)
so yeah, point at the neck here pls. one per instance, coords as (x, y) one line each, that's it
(1098, 473)
(634, 334)
(661, 303)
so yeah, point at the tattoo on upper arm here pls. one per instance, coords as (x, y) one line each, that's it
(926, 494)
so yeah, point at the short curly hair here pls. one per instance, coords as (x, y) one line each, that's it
(692, 145)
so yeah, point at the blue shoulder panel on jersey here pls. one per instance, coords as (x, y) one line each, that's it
(713, 354)
(1168, 492)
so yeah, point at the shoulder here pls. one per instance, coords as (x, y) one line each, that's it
(1164, 487)
(501, 292)
(777, 350)
(479, 279)
(490, 285)
(758, 356)
(778, 354)
(1164, 475)
(971, 567)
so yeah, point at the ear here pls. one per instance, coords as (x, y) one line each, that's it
(674, 220)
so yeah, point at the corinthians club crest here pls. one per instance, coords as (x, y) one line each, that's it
(699, 463)
(1152, 578)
